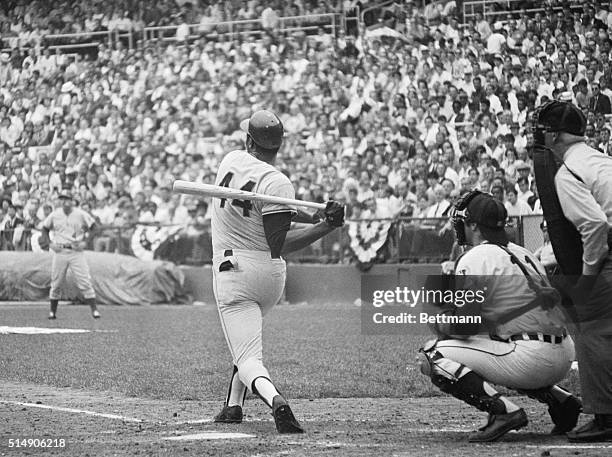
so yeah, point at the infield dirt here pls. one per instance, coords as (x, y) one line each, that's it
(403, 427)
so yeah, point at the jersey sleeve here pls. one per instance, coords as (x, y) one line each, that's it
(277, 185)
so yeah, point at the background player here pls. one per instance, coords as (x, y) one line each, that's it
(249, 272)
(526, 346)
(71, 228)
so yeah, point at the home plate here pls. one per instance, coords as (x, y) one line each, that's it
(5, 330)
(209, 436)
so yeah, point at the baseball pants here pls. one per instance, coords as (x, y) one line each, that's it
(244, 294)
(517, 364)
(594, 344)
(75, 260)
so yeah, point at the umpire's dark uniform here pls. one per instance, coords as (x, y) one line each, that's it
(584, 187)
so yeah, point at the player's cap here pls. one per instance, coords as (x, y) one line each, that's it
(265, 128)
(65, 194)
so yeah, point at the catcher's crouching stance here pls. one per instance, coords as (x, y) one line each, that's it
(527, 347)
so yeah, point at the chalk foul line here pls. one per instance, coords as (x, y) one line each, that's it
(73, 411)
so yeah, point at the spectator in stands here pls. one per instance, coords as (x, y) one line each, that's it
(523, 191)
(441, 205)
(514, 205)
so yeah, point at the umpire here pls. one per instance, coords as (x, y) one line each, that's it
(581, 177)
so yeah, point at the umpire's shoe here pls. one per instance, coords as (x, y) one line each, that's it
(565, 415)
(597, 430)
(283, 417)
(230, 415)
(498, 425)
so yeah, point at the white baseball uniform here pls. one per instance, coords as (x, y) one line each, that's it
(247, 281)
(68, 229)
(524, 363)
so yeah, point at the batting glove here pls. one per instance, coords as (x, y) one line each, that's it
(334, 214)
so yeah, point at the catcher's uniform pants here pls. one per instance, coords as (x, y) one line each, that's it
(75, 260)
(245, 293)
(521, 364)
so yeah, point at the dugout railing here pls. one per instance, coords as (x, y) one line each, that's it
(407, 240)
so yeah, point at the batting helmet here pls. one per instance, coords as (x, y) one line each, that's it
(265, 128)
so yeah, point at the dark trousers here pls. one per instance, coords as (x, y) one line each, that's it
(593, 340)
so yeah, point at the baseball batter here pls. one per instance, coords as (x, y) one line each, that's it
(249, 272)
(525, 346)
(71, 227)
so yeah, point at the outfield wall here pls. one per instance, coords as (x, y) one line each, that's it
(316, 283)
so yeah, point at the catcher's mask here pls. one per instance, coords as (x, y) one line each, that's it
(556, 116)
(484, 210)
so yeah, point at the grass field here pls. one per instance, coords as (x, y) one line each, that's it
(167, 367)
(179, 352)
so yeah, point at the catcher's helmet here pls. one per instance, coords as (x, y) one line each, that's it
(557, 116)
(265, 128)
(489, 213)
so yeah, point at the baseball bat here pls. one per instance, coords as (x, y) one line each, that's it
(210, 190)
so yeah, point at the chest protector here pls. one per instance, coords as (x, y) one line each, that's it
(564, 237)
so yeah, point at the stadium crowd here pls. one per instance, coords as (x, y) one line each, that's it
(396, 121)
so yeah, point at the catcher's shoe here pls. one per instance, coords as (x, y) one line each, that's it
(498, 425)
(283, 417)
(565, 415)
(230, 415)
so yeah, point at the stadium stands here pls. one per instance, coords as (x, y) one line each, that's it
(397, 117)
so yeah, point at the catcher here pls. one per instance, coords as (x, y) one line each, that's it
(524, 343)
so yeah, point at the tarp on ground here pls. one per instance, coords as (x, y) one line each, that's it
(117, 279)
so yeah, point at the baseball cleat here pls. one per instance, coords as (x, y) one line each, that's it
(565, 415)
(96, 314)
(52, 315)
(498, 425)
(229, 415)
(283, 417)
